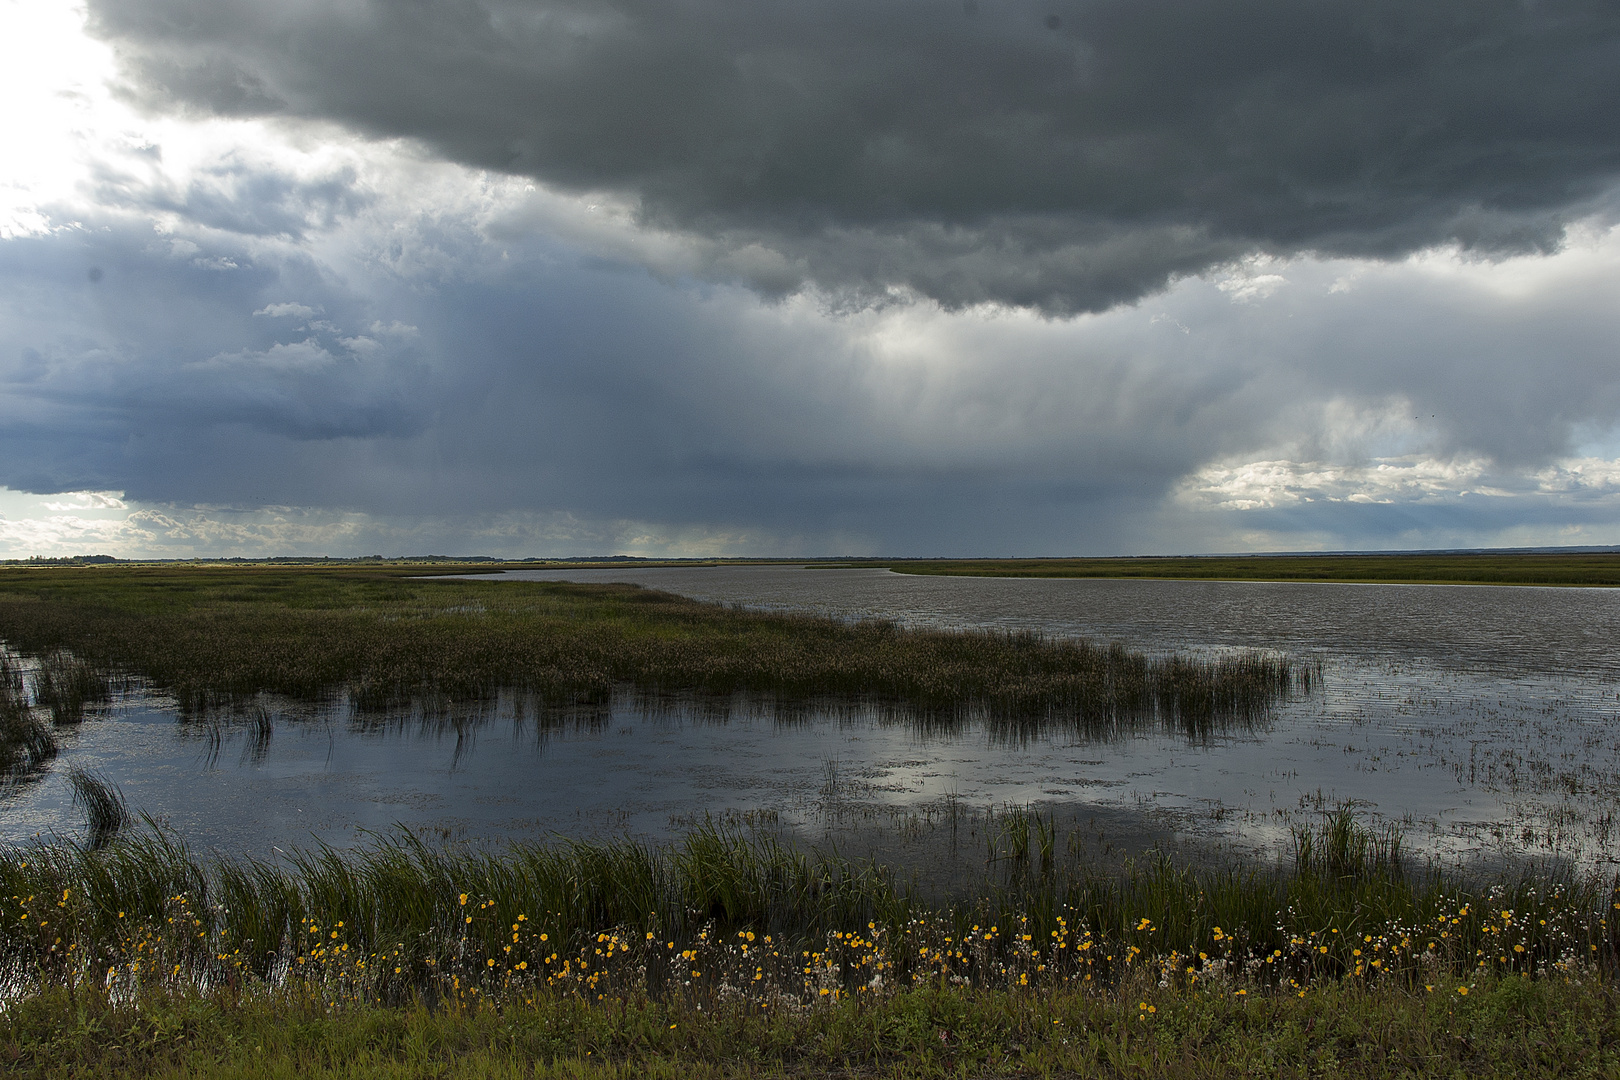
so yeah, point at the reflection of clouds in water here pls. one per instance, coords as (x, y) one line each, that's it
(1426, 732)
(652, 776)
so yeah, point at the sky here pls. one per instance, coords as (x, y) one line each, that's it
(821, 277)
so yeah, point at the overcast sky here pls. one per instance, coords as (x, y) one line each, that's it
(793, 277)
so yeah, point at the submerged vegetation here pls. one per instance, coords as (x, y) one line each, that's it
(214, 637)
(743, 931)
(26, 741)
(65, 684)
(104, 807)
(1471, 568)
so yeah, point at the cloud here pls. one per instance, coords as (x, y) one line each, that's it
(239, 191)
(167, 531)
(1065, 156)
(1266, 485)
(272, 334)
(1406, 503)
(549, 401)
(89, 500)
(286, 310)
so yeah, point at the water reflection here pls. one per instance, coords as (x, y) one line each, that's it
(1484, 721)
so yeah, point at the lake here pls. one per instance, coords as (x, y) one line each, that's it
(1485, 721)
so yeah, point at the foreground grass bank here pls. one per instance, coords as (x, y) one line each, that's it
(1503, 1028)
(217, 636)
(729, 955)
(726, 918)
(1592, 569)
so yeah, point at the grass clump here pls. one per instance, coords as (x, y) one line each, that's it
(65, 684)
(213, 636)
(1341, 849)
(26, 742)
(105, 810)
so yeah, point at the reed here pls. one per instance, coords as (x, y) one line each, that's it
(216, 638)
(26, 742)
(726, 916)
(104, 807)
(65, 684)
(1341, 849)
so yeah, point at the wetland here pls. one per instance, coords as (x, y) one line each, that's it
(884, 714)
(773, 818)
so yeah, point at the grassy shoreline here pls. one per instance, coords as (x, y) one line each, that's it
(1598, 569)
(730, 955)
(724, 915)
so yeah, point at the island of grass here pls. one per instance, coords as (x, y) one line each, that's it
(1442, 568)
(385, 638)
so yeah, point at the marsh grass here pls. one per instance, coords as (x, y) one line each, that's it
(105, 810)
(1342, 849)
(26, 742)
(217, 638)
(66, 684)
(727, 917)
(261, 730)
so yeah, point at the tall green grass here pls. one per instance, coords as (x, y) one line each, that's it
(105, 810)
(66, 684)
(727, 916)
(218, 637)
(26, 742)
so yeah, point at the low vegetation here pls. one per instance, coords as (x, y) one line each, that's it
(218, 636)
(1471, 568)
(1504, 1027)
(725, 953)
(731, 952)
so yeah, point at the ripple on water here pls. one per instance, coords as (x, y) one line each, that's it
(1486, 720)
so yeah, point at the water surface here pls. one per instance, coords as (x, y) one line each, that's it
(1485, 719)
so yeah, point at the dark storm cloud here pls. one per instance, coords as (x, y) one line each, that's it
(1063, 155)
(361, 338)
